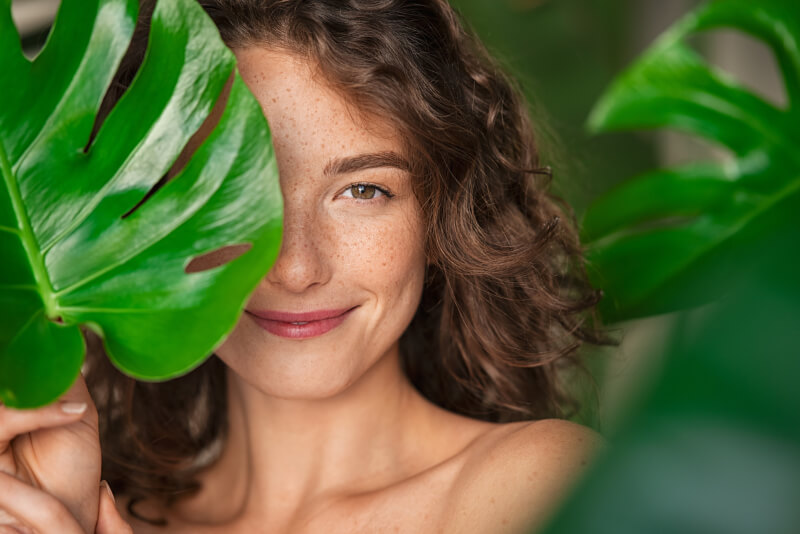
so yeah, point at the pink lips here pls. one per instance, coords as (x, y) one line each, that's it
(299, 325)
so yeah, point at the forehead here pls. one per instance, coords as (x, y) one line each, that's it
(311, 122)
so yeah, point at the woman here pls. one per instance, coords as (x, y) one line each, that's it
(397, 368)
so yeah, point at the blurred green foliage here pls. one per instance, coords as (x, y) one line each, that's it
(564, 53)
(714, 445)
(671, 239)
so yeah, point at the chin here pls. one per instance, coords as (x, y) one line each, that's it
(293, 376)
(301, 386)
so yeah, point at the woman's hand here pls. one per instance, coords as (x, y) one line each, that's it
(50, 469)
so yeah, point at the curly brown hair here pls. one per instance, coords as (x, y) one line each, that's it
(506, 302)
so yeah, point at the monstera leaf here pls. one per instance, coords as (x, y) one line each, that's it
(85, 236)
(673, 238)
(713, 445)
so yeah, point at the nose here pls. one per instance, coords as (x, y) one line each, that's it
(301, 261)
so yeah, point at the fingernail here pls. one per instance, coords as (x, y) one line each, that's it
(104, 484)
(73, 407)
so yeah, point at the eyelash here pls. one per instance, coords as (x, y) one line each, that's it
(378, 188)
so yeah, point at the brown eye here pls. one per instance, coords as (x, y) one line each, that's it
(364, 192)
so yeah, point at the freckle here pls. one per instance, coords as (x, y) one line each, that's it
(491, 501)
(505, 521)
(274, 99)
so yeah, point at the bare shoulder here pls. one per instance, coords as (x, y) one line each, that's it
(517, 473)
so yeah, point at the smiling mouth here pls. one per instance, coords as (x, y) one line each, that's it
(299, 325)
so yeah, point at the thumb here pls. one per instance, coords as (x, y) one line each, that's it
(78, 392)
(109, 521)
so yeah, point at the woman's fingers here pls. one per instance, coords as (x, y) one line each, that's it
(15, 422)
(10, 525)
(74, 405)
(5, 529)
(78, 394)
(108, 519)
(34, 508)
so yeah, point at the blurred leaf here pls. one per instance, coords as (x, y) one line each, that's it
(563, 53)
(82, 239)
(715, 446)
(654, 242)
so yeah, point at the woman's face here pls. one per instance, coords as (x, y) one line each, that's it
(351, 264)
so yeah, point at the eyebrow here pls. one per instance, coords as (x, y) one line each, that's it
(366, 161)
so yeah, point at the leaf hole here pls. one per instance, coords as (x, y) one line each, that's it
(677, 148)
(191, 146)
(128, 67)
(216, 258)
(33, 19)
(746, 59)
(202, 133)
(158, 185)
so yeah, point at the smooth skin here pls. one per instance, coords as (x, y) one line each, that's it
(327, 434)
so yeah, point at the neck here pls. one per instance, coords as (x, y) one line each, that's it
(284, 455)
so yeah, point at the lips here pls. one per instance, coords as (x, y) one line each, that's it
(299, 325)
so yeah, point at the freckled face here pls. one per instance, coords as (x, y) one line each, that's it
(352, 237)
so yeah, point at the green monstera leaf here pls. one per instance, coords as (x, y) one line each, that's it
(85, 236)
(671, 239)
(713, 444)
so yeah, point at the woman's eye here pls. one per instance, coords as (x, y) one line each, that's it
(364, 192)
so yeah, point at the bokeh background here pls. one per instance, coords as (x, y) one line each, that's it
(565, 53)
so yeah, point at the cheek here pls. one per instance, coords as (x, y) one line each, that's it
(383, 254)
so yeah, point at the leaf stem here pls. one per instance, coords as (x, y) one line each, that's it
(27, 237)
